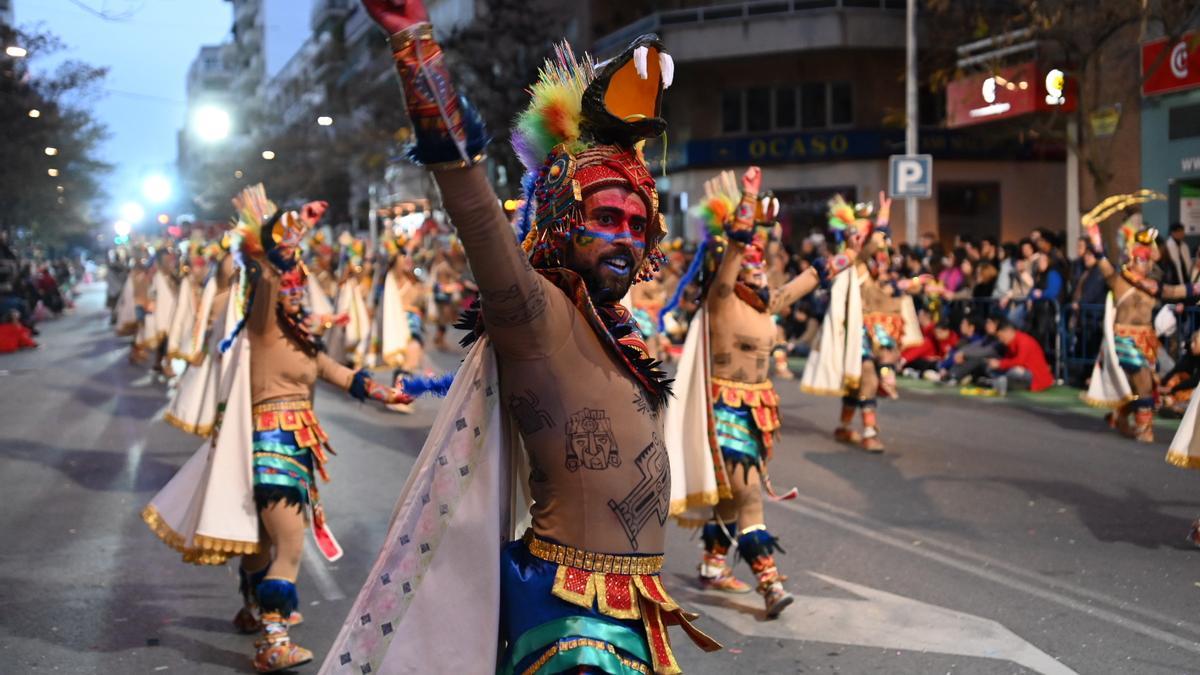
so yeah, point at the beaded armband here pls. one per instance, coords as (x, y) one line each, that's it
(448, 132)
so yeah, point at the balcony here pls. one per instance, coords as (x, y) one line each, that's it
(758, 27)
(328, 13)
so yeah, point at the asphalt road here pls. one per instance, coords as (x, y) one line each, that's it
(987, 539)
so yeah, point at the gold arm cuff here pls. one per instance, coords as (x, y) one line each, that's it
(417, 31)
(604, 563)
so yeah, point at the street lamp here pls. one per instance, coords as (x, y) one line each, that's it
(35, 113)
(156, 189)
(325, 120)
(53, 173)
(132, 212)
(211, 123)
(268, 155)
(122, 228)
(16, 52)
(51, 151)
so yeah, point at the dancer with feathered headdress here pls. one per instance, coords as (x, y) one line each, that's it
(252, 490)
(724, 386)
(556, 364)
(1123, 378)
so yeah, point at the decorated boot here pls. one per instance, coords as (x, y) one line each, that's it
(275, 651)
(870, 437)
(715, 574)
(757, 546)
(844, 434)
(246, 621)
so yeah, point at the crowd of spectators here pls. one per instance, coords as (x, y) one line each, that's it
(33, 287)
(1008, 315)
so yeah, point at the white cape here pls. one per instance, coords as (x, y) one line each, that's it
(343, 340)
(912, 336)
(431, 603)
(389, 336)
(183, 319)
(1109, 387)
(318, 300)
(1184, 450)
(194, 407)
(694, 486)
(127, 323)
(206, 511)
(836, 364)
(196, 346)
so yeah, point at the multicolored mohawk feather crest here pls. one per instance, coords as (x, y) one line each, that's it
(556, 108)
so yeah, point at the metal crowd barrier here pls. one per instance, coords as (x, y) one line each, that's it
(1041, 318)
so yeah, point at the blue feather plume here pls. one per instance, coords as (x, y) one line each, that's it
(688, 277)
(437, 385)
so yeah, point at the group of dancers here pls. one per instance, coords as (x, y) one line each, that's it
(530, 535)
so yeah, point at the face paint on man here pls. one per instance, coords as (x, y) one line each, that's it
(609, 251)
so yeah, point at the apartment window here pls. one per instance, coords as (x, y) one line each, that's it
(814, 105)
(758, 109)
(1183, 122)
(809, 106)
(731, 112)
(785, 108)
(841, 104)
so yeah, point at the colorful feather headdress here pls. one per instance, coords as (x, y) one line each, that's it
(583, 131)
(1137, 241)
(846, 219)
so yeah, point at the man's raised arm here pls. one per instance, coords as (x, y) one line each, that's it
(450, 140)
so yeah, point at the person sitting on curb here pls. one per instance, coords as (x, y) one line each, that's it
(1024, 363)
(14, 336)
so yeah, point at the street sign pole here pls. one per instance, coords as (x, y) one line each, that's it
(910, 136)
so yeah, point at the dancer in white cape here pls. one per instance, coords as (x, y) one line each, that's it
(1124, 378)
(251, 491)
(193, 408)
(345, 337)
(556, 361)
(739, 401)
(865, 327)
(160, 306)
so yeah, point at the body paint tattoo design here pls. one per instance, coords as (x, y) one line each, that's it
(651, 497)
(509, 307)
(527, 411)
(643, 406)
(722, 359)
(590, 441)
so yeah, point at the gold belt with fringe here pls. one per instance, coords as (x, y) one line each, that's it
(604, 563)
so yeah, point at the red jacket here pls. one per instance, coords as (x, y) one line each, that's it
(1025, 352)
(931, 348)
(14, 336)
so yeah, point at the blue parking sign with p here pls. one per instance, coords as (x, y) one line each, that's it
(910, 176)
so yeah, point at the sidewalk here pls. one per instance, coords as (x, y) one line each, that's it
(1056, 398)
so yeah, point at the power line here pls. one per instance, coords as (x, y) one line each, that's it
(107, 15)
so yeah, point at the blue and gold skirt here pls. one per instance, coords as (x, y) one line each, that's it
(289, 446)
(563, 609)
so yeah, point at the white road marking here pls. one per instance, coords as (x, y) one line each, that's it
(315, 562)
(906, 542)
(879, 619)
